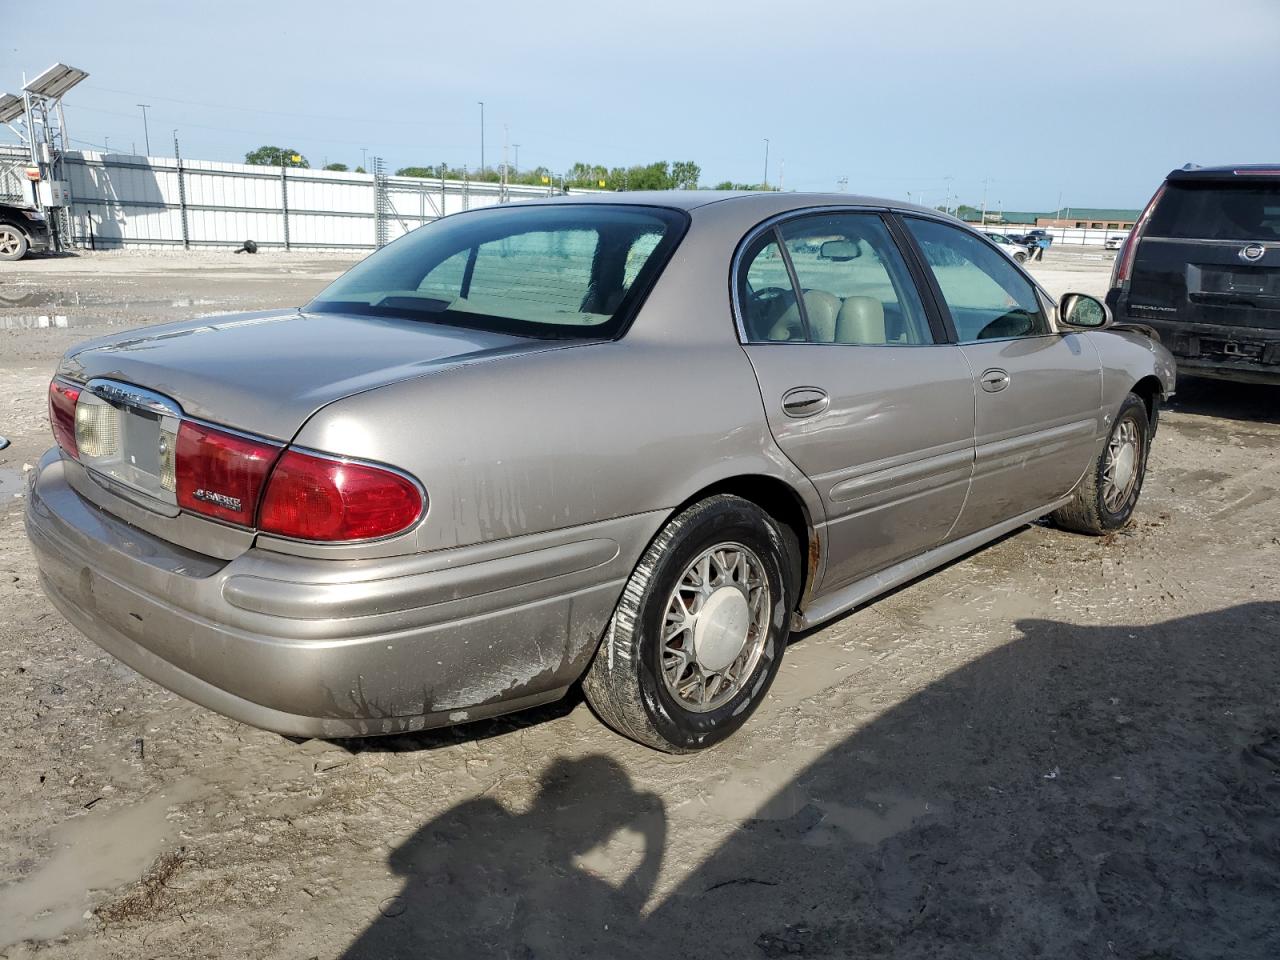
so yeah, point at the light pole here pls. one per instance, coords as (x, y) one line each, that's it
(146, 133)
(515, 167)
(766, 163)
(364, 158)
(481, 102)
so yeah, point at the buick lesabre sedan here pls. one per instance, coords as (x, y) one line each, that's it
(627, 440)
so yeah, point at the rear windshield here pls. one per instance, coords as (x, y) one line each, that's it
(1218, 211)
(542, 271)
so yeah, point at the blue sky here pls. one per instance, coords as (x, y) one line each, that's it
(1090, 100)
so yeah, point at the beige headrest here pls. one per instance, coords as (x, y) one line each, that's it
(822, 309)
(861, 320)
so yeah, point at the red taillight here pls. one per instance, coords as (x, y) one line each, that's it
(62, 415)
(315, 498)
(1124, 260)
(220, 474)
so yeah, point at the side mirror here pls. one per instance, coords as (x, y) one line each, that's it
(1083, 312)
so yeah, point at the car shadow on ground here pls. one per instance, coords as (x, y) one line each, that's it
(440, 737)
(1080, 791)
(1200, 396)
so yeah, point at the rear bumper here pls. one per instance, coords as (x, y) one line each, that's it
(1205, 350)
(323, 648)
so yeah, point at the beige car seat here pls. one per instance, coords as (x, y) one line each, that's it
(860, 320)
(822, 308)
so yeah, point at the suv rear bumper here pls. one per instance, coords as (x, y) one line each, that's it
(324, 648)
(1244, 354)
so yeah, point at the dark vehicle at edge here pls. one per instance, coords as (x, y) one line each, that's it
(23, 230)
(1202, 268)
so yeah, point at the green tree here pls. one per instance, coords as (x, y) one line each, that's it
(337, 167)
(275, 157)
(424, 172)
(685, 175)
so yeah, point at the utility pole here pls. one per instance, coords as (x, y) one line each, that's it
(505, 166)
(481, 102)
(782, 169)
(984, 202)
(516, 165)
(145, 132)
(364, 158)
(766, 163)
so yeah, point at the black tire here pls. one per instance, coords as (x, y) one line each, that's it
(1088, 511)
(13, 242)
(624, 683)
(1020, 257)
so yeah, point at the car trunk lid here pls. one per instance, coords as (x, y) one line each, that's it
(266, 373)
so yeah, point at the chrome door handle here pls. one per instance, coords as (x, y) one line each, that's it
(804, 401)
(994, 380)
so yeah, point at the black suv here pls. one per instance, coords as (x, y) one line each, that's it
(1202, 267)
(23, 230)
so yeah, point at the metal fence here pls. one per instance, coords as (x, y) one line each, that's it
(1067, 236)
(119, 200)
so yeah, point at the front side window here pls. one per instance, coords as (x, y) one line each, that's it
(989, 299)
(854, 285)
(540, 271)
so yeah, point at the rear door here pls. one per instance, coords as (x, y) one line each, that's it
(861, 391)
(1210, 256)
(1038, 393)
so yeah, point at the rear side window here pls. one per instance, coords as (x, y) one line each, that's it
(541, 271)
(1217, 211)
(855, 287)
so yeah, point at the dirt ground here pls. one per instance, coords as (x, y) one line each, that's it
(1057, 747)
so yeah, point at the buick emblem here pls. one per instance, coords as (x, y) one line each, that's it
(1252, 252)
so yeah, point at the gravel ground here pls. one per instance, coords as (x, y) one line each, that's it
(1056, 747)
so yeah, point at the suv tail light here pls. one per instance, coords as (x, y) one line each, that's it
(62, 415)
(311, 497)
(220, 474)
(1124, 260)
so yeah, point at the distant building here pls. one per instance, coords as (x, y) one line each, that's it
(1081, 218)
(1090, 218)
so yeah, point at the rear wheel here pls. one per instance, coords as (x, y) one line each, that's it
(13, 242)
(698, 635)
(1108, 494)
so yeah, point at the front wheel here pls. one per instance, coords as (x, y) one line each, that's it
(1108, 494)
(698, 635)
(13, 242)
(1020, 257)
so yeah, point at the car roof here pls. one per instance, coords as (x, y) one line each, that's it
(767, 201)
(1226, 172)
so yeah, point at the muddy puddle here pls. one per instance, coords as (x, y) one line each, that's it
(99, 850)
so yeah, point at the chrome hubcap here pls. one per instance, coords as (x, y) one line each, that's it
(1120, 471)
(715, 627)
(8, 241)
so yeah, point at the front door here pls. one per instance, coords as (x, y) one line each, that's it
(1038, 392)
(860, 391)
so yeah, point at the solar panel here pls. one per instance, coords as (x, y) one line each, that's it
(55, 81)
(11, 107)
